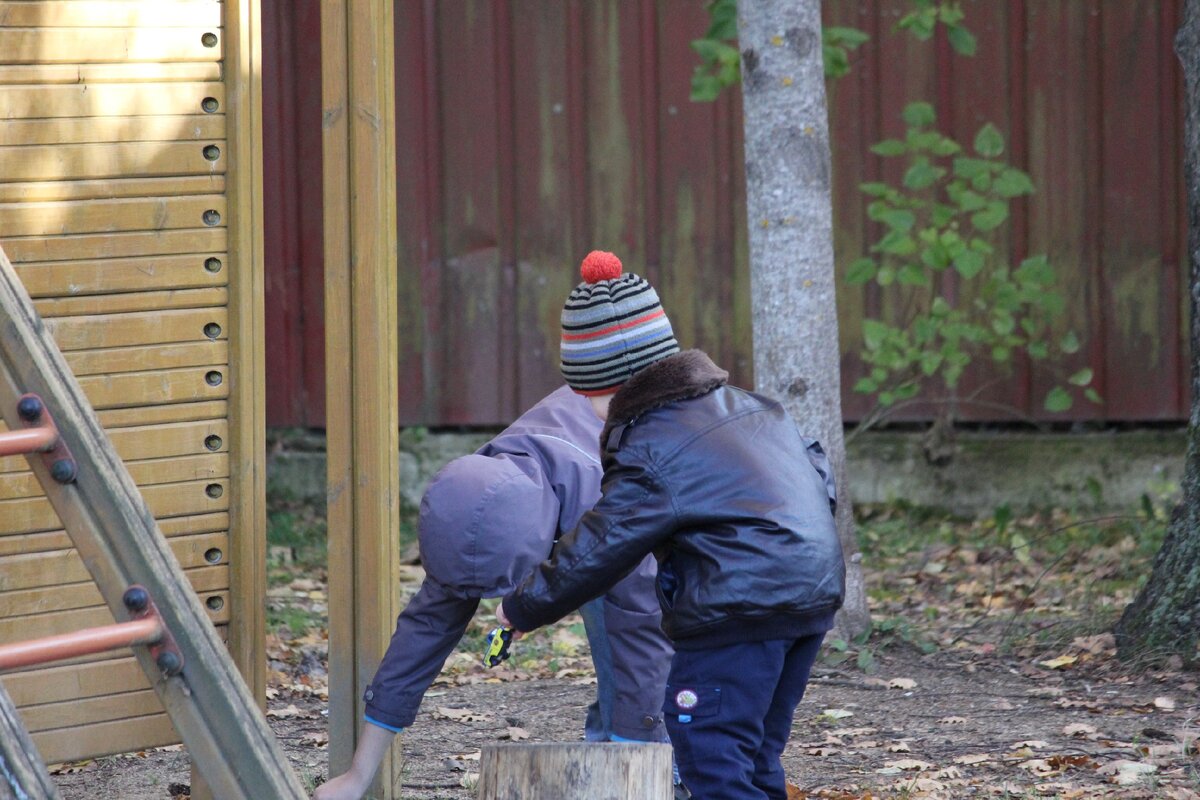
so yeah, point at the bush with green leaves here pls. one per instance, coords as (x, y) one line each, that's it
(941, 220)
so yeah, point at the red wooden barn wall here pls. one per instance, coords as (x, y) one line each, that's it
(530, 131)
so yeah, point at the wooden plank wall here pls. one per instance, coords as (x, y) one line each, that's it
(530, 131)
(113, 208)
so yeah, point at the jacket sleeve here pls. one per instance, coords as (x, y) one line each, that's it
(427, 631)
(820, 461)
(633, 516)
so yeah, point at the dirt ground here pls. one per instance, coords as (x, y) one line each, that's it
(920, 726)
(988, 672)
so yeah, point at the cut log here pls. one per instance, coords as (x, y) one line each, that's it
(576, 771)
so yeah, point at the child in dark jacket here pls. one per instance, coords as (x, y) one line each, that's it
(719, 485)
(485, 521)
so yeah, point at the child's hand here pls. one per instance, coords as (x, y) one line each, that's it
(346, 786)
(502, 618)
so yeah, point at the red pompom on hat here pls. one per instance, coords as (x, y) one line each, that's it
(599, 265)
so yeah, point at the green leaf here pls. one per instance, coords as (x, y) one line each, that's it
(1038, 350)
(919, 114)
(1003, 324)
(989, 142)
(874, 333)
(1081, 378)
(897, 243)
(922, 175)
(861, 271)
(1093, 395)
(970, 168)
(847, 37)
(971, 201)
(945, 147)
(875, 189)
(969, 263)
(1070, 343)
(889, 147)
(991, 217)
(906, 391)
(723, 19)
(912, 275)
(705, 88)
(886, 399)
(961, 39)
(1058, 400)
(898, 219)
(942, 214)
(1012, 183)
(865, 386)
(708, 49)
(837, 63)
(939, 307)
(886, 276)
(930, 363)
(1001, 354)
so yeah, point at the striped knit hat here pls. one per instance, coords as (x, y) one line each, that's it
(612, 326)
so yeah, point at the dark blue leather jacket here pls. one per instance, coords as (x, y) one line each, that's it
(718, 483)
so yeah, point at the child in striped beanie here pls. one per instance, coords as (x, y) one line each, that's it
(737, 508)
(612, 326)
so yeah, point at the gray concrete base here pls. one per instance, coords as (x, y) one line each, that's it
(980, 471)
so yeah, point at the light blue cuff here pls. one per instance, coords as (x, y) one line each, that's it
(382, 725)
(615, 738)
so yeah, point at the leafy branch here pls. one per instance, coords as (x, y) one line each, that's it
(941, 220)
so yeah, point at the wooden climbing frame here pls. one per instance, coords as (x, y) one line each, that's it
(117, 536)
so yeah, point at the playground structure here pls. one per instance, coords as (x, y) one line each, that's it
(116, 536)
(130, 205)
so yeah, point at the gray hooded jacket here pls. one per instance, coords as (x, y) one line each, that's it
(486, 521)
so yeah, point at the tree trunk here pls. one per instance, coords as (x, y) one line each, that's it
(577, 771)
(789, 204)
(1164, 619)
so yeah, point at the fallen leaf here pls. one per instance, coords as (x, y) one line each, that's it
(1078, 729)
(952, 721)
(1060, 662)
(901, 683)
(837, 713)
(1165, 703)
(1127, 773)
(460, 715)
(973, 758)
(289, 712)
(1032, 744)
(899, 747)
(315, 738)
(515, 734)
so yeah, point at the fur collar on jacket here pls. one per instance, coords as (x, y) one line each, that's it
(681, 376)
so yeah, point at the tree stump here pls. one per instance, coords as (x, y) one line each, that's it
(576, 771)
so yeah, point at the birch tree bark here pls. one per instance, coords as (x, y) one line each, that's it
(1165, 616)
(796, 352)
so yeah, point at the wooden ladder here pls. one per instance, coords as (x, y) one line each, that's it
(51, 422)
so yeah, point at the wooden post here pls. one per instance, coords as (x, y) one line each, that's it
(362, 416)
(247, 353)
(22, 773)
(575, 771)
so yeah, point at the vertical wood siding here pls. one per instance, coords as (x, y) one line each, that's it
(531, 131)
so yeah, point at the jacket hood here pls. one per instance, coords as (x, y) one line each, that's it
(485, 522)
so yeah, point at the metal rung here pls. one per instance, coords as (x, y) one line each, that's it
(39, 437)
(146, 628)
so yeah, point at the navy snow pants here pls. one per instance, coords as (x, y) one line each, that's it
(729, 713)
